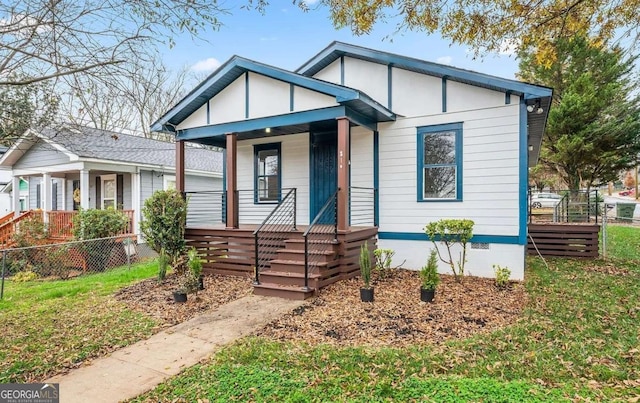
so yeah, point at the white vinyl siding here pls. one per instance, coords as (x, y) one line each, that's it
(490, 177)
(370, 78)
(426, 93)
(361, 200)
(41, 154)
(229, 104)
(461, 97)
(304, 100)
(331, 73)
(267, 96)
(295, 174)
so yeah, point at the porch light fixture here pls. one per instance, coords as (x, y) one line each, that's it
(267, 130)
(535, 107)
(530, 147)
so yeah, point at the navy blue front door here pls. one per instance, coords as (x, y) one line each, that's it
(324, 170)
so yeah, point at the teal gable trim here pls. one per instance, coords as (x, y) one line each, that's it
(342, 70)
(507, 98)
(416, 236)
(238, 66)
(291, 103)
(523, 173)
(390, 87)
(246, 95)
(339, 49)
(295, 118)
(444, 94)
(376, 178)
(208, 113)
(421, 131)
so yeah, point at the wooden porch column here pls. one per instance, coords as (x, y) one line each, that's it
(180, 166)
(343, 174)
(232, 180)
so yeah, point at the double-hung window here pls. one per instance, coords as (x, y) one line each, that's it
(267, 160)
(440, 162)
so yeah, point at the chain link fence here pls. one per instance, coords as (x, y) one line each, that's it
(71, 259)
(620, 223)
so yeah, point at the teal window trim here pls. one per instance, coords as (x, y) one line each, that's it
(256, 177)
(436, 130)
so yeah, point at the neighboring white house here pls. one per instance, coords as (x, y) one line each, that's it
(428, 141)
(71, 167)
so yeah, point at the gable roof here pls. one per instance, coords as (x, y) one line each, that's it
(236, 66)
(79, 142)
(336, 49)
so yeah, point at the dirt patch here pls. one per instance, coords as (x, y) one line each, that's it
(398, 317)
(156, 298)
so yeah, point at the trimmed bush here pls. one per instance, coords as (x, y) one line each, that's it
(164, 218)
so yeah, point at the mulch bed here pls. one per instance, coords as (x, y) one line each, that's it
(397, 317)
(156, 298)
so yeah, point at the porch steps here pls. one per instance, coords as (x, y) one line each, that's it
(285, 277)
(282, 291)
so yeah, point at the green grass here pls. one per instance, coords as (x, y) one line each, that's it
(52, 325)
(578, 339)
(623, 243)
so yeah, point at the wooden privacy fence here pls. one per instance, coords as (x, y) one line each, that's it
(564, 240)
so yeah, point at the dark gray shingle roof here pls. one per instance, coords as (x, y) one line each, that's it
(107, 145)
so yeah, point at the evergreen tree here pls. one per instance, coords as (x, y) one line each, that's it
(593, 131)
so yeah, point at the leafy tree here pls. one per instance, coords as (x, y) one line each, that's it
(164, 218)
(24, 107)
(42, 39)
(493, 25)
(593, 128)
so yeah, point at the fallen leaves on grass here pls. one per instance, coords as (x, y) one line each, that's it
(156, 298)
(398, 317)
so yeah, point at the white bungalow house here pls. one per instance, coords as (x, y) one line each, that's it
(73, 167)
(359, 144)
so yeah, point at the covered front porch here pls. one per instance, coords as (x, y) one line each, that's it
(293, 214)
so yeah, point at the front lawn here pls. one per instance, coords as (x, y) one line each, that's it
(51, 326)
(578, 338)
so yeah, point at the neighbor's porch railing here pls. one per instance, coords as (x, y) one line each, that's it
(578, 206)
(60, 224)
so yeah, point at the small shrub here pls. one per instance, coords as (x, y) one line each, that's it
(24, 276)
(383, 262)
(429, 273)
(164, 218)
(94, 223)
(502, 275)
(365, 265)
(194, 263)
(98, 224)
(31, 231)
(451, 232)
(163, 263)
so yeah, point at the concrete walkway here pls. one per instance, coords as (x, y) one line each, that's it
(138, 368)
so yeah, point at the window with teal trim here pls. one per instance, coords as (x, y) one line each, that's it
(267, 173)
(440, 162)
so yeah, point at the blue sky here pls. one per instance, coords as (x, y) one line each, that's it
(287, 37)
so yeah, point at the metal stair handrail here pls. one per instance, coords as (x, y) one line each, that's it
(281, 218)
(332, 201)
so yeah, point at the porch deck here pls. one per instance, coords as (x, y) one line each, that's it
(232, 251)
